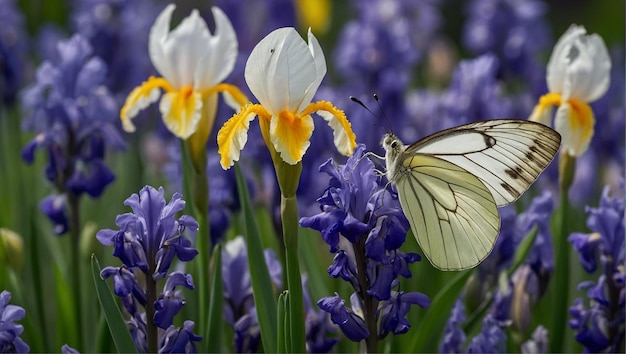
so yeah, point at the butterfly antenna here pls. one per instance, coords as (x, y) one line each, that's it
(386, 119)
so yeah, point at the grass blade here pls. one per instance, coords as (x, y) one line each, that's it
(117, 325)
(259, 275)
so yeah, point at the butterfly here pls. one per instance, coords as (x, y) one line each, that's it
(451, 183)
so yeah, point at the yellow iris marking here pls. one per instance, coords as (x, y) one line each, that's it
(291, 131)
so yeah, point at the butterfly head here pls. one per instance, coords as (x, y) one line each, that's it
(393, 149)
(391, 144)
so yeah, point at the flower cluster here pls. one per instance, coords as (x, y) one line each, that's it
(515, 31)
(10, 331)
(12, 51)
(117, 30)
(364, 226)
(147, 242)
(600, 325)
(73, 114)
(240, 312)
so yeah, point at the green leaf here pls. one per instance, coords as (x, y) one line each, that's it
(117, 326)
(216, 304)
(289, 218)
(259, 275)
(66, 310)
(283, 322)
(523, 249)
(431, 326)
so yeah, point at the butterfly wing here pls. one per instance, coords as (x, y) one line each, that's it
(452, 213)
(507, 155)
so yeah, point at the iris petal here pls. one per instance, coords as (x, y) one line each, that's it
(181, 111)
(220, 55)
(232, 137)
(140, 98)
(343, 136)
(574, 120)
(290, 135)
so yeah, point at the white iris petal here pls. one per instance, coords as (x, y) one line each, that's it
(282, 72)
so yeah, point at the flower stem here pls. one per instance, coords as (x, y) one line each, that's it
(152, 332)
(370, 304)
(74, 206)
(197, 187)
(559, 298)
(289, 216)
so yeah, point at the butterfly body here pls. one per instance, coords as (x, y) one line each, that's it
(451, 183)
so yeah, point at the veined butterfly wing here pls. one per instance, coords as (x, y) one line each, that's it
(450, 183)
(452, 214)
(506, 154)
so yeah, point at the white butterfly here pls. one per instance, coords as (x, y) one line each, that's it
(450, 183)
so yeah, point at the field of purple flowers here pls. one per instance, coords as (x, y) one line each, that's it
(193, 176)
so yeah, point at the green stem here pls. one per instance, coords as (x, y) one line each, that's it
(74, 206)
(152, 331)
(289, 216)
(370, 304)
(560, 287)
(216, 304)
(197, 190)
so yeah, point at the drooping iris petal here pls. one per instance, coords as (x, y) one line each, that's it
(181, 111)
(574, 120)
(291, 135)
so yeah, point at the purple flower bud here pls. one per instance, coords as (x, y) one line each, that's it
(351, 324)
(176, 340)
(10, 331)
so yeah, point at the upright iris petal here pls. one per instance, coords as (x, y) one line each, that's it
(192, 63)
(577, 74)
(284, 73)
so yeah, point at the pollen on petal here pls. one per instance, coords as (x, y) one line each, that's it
(343, 136)
(181, 111)
(291, 135)
(232, 137)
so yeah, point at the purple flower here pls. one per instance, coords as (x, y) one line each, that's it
(151, 236)
(148, 241)
(453, 336)
(170, 301)
(516, 31)
(393, 312)
(538, 342)
(54, 207)
(12, 51)
(223, 200)
(318, 325)
(348, 206)
(490, 340)
(600, 326)
(179, 340)
(74, 117)
(10, 331)
(117, 31)
(239, 310)
(351, 324)
(363, 224)
(66, 349)
(476, 92)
